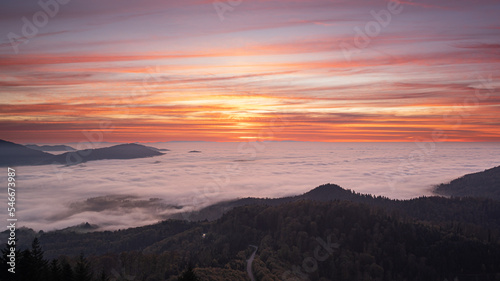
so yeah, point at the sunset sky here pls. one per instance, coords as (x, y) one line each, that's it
(245, 70)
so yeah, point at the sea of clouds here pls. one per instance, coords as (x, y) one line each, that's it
(117, 194)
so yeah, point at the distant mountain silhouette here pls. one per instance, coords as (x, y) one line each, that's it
(484, 184)
(121, 151)
(50, 147)
(158, 149)
(13, 154)
(81, 228)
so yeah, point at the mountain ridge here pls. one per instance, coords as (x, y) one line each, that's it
(58, 147)
(437, 208)
(13, 154)
(480, 185)
(484, 184)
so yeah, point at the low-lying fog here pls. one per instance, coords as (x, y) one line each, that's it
(126, 193)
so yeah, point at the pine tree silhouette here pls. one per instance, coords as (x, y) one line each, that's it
(103, 276)
(188, 275)
(55, 271)
(82, 270)
(67, 271)
(39, 264)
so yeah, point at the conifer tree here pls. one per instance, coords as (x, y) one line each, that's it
(55, 271)
(4, 266)
(103, 276)
(67, 272)
(82, 270)
(188, 275)
(23, 271)
(38, 263)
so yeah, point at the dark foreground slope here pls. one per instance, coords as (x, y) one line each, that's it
(485, 184)
(349, 237)
(12, 154)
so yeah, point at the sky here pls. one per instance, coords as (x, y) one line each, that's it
(245, 70)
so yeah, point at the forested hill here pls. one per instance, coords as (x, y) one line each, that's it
(328, 233)
(469, 213)
(436, 209)
(303, 240)
(324, 193)
(484, 184)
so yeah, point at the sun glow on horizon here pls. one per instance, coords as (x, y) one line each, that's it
(157, 75)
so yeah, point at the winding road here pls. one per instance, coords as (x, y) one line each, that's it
(249, 263)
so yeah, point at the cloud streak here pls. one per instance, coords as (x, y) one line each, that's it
(151, 65)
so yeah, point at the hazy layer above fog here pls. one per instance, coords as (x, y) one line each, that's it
(124, 193)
